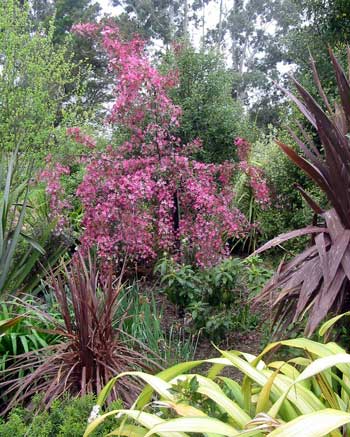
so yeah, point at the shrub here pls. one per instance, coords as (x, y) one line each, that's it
(148, 194)
(257, 273)
(204, 92)
(252, 192)
(67, 417)
(307, 395)
(215, 298)
(34, 78)
(288, 210)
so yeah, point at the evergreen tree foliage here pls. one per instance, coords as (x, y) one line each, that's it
(208, 110)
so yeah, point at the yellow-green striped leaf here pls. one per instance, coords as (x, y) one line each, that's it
(315, 424)
(129, 431)
(193, 424)
(327, 325)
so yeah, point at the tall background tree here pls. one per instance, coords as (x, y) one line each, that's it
(155, 19)
(90, 62)
(208, 110)
(34, 77)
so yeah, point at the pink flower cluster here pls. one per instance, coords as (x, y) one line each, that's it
(81, 138)
(243, 148)
(255, 174)
(145, 206)
(85, 29)
(140, 89)
(51, 175)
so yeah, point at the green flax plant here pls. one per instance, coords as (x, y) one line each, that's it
(29, 335)
(143, 323)
(14, 202)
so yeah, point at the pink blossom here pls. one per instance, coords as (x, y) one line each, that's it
(51, 175)
(79, 137)
(85, 29)
(255, 174)
(243, 148)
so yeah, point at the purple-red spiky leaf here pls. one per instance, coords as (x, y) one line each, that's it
(313, 205)
(288, 236)
(313, 171)
(303, 109)
(343, 85)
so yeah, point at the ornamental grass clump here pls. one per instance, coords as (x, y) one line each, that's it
(91, 350)
(317, 281)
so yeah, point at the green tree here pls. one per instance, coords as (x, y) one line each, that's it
(89, 62)
(34, 76)
(64, 13)
(165, 19)
(323, 24)
(204, 94)
(329, 18)
(253, 31)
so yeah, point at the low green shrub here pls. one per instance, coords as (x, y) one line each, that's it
(215, 299)
(256, 274)
(66, 418)
(288, 210)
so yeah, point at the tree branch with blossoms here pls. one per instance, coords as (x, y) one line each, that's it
(149, 195)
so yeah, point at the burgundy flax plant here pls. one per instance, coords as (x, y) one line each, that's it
(317, 281)
(91, 351)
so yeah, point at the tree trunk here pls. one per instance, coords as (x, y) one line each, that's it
(219, 42)
(185, 23)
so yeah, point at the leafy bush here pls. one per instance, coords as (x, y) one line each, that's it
(214, 297)
(180, 282)
(307, 395)
(67, 417)
(90, 349)
(256, 274)
(149, 194)
(252, 192)
(288, 209)
(34, 78)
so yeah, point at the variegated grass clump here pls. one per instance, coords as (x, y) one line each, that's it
(306, 396)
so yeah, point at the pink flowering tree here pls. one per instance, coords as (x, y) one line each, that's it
(148, 196)
(59, 205)
(254, 194)
(255, 175)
